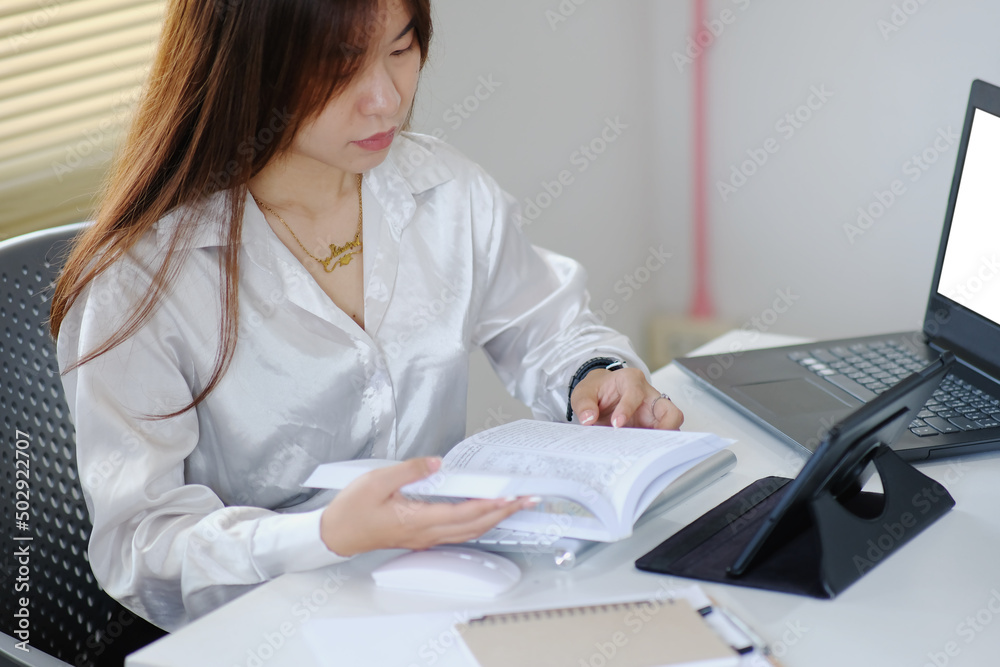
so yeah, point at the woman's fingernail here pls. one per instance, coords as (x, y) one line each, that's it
(532, 502)
(434, 463)
(617, 421)
(588, 417)
(510, 499)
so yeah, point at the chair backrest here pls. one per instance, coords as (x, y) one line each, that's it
(46, 527)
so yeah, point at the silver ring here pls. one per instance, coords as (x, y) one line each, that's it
(652, 406)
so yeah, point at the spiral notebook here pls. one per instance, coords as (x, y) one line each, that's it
(629, 634)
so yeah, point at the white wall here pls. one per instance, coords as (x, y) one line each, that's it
(781, 232)
(558, 88)
(893, 91)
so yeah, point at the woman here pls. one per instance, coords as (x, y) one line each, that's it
(245, 308)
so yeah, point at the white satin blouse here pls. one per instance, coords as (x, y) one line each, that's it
(192, 511)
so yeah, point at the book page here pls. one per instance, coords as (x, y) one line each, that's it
(572, 440)
(597, 456)
(516, 463)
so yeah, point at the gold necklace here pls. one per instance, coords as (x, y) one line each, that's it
(351, 248)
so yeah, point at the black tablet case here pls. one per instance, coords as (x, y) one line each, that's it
(818, 554)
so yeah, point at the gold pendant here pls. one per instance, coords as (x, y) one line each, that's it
(330, 264)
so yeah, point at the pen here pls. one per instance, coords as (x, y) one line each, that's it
(756, 641)
(568, 551)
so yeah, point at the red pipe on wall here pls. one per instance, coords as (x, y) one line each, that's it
(701, 305)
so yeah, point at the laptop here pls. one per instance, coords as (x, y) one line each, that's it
(798, 392)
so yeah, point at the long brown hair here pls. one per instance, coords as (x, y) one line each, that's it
(223, 72)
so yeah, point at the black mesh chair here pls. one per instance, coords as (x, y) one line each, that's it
(70, 620)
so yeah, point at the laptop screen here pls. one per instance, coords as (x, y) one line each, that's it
(970, 271)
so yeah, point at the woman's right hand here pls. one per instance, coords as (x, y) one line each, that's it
(371, 513)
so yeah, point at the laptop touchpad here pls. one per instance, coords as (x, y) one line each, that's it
(791, 397)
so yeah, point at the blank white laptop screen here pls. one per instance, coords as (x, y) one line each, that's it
(970, 273)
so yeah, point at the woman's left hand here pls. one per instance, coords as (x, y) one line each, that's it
(623, 398)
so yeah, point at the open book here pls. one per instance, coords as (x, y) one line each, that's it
(594, 481)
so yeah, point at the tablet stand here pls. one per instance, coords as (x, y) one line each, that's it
(820, 554)
(851, 545)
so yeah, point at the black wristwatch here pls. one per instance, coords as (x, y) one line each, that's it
(607, 363)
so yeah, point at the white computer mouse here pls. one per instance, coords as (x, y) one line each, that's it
(449, 571)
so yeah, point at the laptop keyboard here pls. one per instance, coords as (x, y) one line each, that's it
(865, 370)
(503, 537)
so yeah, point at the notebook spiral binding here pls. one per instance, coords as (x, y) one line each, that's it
(589, 610)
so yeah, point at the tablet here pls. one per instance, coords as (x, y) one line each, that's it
(839, 466)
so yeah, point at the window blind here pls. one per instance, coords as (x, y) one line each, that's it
(70, 74)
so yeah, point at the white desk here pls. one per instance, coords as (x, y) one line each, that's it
(936, 602)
